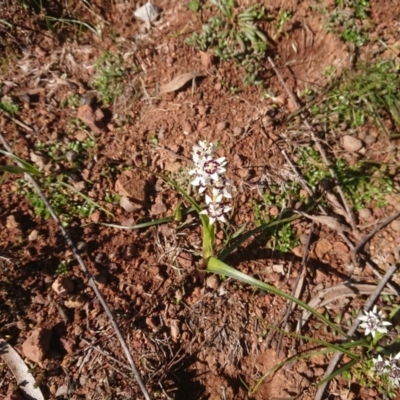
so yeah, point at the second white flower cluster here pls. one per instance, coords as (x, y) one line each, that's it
(209, 177)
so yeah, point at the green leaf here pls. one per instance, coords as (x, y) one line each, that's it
(29, 168)
(220, 268)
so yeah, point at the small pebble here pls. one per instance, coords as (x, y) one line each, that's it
(365, 213)
(212, 282)
(237, 131)
(350, 143)
(395, 225)
(71, 156)
(369, 139)
(82, 247)
(221, 126)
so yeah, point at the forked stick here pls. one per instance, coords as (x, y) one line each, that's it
(88, 275)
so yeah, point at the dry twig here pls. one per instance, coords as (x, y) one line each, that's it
(371, 300)
(88, 275)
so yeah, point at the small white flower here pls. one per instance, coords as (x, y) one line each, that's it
(215, 168)
(215, 210)
(203, 152)
(200, 179)
(393, 367)
(380, 366)
(222, 186)
(373, 322)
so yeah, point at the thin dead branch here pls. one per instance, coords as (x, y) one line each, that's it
(88, 275)
(367, 237)
(368, 305)
(298, 286)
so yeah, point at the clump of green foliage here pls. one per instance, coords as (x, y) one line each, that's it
(369, 92)
(234, 35)
(67, 201)
(348, 20)
(282, 237)
(363, 183)
(109, 77)
(7, 105)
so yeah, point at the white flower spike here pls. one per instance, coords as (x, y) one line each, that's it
(215, 210)
(373, 322)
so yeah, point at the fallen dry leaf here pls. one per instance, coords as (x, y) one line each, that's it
(24, 378)
(336, 292)
(330, 222)
(180, 81)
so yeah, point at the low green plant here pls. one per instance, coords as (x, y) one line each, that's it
(208, 178)
(282, 237)
(67, 201)
(368, 93)
(62, 268)
(7, 105)
(234, 35)
(110, 73)
(73, 101)
(349, 21)
(363, 184)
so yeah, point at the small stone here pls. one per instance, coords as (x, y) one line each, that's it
(212, 282)
(369, 139)
(36, 345)
(395, 225)
(63, 285)
(38, 158)
(82, 247)
(304, 238)
(158, 208)
(350, 143)
(81, 136)
(175, 328)
(95, 217)
(221, 126)
(218, 86)
(186, 127)
(318, 371)
(202, 125)
(147, 13)
(365, 213)
(127, 205)
(11, 223)
(238, 131)
(323, 247)
(340, 248)
(71, 156)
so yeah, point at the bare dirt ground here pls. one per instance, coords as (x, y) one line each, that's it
(192, 335)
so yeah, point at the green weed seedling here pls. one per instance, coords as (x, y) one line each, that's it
(67, 201)
(62, 268)
(7, 105)
(109, 77)
(363, 184)
(234, 35)
(369, 92)
(348, 20)
(282, 238)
